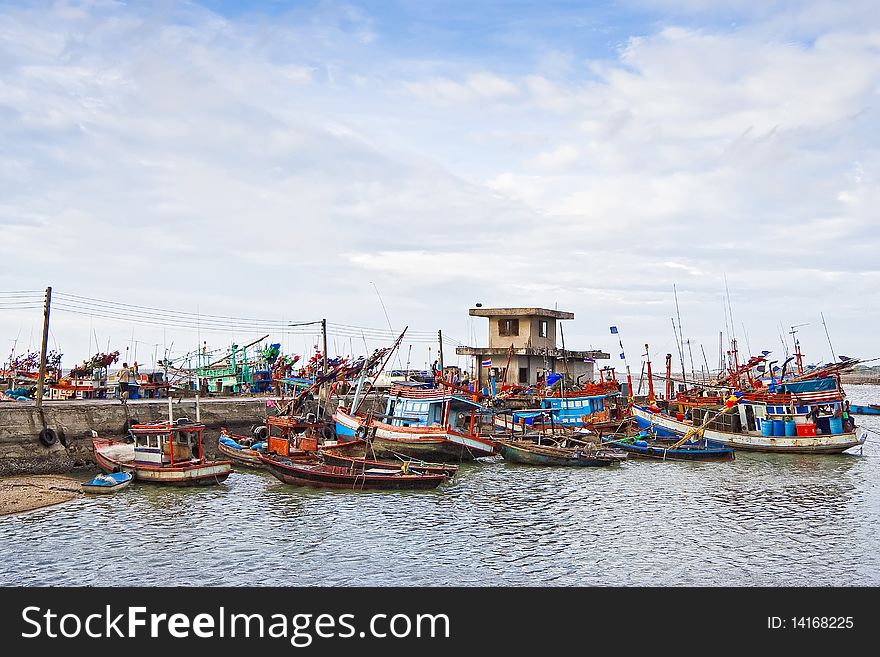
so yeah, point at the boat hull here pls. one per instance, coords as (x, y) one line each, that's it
(359, 463)
(328, 476)
(95, 487)
(247, 457)
(110, 457)
(663, 453)
(864, 410)
(425, 443)
(820, 444)
(526, 455)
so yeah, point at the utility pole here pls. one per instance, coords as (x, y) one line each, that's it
(324, 366)
(440, 338)
(41, 381)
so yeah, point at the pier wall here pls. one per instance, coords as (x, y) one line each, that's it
(21, 451)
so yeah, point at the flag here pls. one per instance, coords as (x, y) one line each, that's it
(487, 363)
(765, 353)
(613, 330)
(589, 360)
(622, 356)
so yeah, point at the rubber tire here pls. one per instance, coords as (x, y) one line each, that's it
(48, 437)
(361, 433)
(260, 432)
(328, 434)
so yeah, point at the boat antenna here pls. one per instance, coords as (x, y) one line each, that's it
(833, 356)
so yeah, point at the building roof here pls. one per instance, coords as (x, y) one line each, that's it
(519, 312)
(570, 354)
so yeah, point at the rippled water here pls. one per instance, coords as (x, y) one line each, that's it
(762, 519)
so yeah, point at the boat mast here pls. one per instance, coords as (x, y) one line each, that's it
(650, 375)
(833, 356)
(668, 376)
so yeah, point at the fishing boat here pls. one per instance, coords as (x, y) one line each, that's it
(354, 455)
(105, 484)
(529, 453)
(422, 422)
(870, 409)
(599, 404)
(241, 450)
(798, 417)
(162, 453)
(322, 475)
(644, 447)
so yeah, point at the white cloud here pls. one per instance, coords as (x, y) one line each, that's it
(221, 153)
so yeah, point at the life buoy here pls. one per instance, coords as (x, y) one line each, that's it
(260, 432)
(48, 437)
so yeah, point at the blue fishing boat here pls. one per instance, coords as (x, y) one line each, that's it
(870, 409)
(107, 483)
(644, 446)
(798, 417)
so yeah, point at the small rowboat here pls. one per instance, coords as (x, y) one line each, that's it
(638, 447)
(107, 483)
(333, 476)
(528, 453)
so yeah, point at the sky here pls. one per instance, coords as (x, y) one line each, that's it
(392, 163)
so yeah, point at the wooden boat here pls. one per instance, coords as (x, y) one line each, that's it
(869, 409)
(428, 442)
(739, 433)
(108, 483)
(641, 446)
(320, 475)
(529, 453)
(234, 447)
(351, 455)
(162, 453)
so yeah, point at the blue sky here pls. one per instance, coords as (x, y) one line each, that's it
(279, 159)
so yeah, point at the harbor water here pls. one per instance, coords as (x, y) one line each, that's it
(762, 519)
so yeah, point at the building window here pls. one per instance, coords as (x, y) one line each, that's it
(542, 328)
(508, 327)
(523, 374)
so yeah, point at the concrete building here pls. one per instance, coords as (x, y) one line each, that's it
(528, 338)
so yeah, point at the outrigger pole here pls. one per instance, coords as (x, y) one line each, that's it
(357, 398)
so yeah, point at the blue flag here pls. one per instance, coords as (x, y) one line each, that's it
(613, 330)
(622, 357)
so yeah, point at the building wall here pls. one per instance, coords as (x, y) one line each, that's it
(528, 333)
(534, 364)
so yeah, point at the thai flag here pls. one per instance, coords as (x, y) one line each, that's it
(613, 330)
(589, 360)
(487, 363)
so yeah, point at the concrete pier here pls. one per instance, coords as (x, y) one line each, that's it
(21, 451)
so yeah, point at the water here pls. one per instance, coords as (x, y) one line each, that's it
(762, 519)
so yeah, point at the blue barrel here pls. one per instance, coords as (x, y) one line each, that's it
(766, 427)
(778, 428)
(790, 428)
(836, 424)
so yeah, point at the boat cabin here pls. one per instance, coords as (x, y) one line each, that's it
(168, 444)
(422, 406)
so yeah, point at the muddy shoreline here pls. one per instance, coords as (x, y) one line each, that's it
(20, 494)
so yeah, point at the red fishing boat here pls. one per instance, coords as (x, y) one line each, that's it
(355, 454)
(321, 475)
